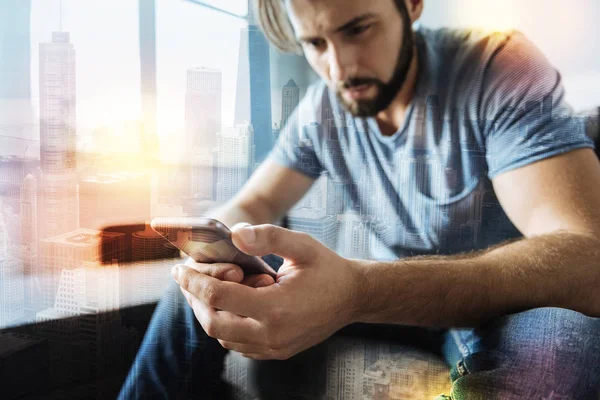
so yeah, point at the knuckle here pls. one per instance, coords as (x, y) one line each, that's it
(212, 295)
(186, 280)
(210, 329)
(275, 342)
(276, 316)
(225, 345)
(272, 234)
(304, 236)
(281, 355)
(219, 270)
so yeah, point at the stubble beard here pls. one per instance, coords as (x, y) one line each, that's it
(385, 92)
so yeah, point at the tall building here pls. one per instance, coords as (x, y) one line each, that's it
(290, 98)
(29, 208)
(16, 115)
(202, 175)
(356, 235)
(235, 158)
(29, 240)
(57, 104)
(202, 107)
(11, 279)
(318, 225)
(147, 36)
(59, 203)
(345, 367)
(12, 173)
(310, 215)
(429, 173)
(316, 198)
(253, 97)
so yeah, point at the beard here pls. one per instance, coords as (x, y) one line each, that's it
(385, 91)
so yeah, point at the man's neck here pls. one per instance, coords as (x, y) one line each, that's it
(392, 118)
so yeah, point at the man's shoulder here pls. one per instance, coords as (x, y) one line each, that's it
(463, 42)
(469, 53)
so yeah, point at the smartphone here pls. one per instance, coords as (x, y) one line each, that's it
(207, 240)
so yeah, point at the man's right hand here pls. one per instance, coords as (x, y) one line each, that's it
(229, 272)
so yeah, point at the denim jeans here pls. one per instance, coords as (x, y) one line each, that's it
(545, 353)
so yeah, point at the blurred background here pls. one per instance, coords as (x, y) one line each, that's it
(114, 112)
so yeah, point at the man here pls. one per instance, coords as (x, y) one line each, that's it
(427, 132)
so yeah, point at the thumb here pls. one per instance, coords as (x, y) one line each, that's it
(266, 239)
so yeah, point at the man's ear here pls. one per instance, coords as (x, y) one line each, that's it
(414, 8)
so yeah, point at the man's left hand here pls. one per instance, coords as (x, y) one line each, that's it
(315, 294)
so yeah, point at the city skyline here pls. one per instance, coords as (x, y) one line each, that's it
(75, 239)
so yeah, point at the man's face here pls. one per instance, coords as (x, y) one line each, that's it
(362, 49)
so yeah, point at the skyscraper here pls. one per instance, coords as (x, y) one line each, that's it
(290, 98)
(29, 239)
(253, 97)
(16, 116)
(11, 279)
(202, 175)
(57, 104)
(202, 107)
(29, 208)
(235, 158)
(13, 170)
(59, 203)
(147, 35)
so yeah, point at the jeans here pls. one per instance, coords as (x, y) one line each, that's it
(544, 353)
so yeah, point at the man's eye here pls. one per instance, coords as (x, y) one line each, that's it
(317, 43)
(357, 30)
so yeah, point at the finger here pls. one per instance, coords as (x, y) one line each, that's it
(228, 296)
(187, 295)
(222, 271)
(240, 225)
(257, 281)
(227, 326)
(261, 240)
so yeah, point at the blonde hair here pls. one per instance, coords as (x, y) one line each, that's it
(275, 23)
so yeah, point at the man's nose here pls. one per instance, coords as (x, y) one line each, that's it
(341, 64)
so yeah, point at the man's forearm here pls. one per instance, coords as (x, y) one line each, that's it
(554, 270)
(231, 215)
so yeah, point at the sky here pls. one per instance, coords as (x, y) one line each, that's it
(105, 36)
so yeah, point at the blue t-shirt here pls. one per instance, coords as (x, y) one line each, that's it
(484, 104)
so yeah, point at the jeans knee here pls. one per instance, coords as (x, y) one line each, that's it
(535, 353)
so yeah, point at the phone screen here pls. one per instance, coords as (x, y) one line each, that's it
(207, 240)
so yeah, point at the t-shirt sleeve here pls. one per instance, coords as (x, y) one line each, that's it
(298, 142)
(526, 118)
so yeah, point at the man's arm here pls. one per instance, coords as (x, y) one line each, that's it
(555, 203)
(269, 193)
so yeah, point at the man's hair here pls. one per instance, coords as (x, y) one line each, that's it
(275, 23)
